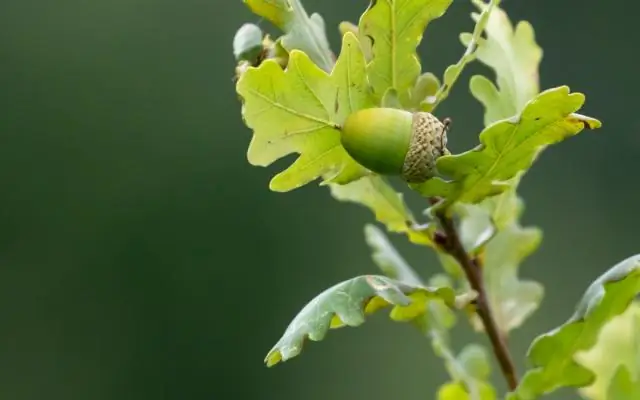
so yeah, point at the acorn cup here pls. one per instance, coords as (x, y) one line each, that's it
(390, 141)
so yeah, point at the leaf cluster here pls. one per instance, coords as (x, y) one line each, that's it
(295, 102)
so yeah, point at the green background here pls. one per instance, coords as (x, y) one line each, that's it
(142, 257)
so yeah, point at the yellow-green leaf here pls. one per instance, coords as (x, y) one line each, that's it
(618, 347)
(375, 193)
(514, 55)
(302, 32)
(298, 111)
(553, 355)
(396, 28)
(347, 304)
(509, 147)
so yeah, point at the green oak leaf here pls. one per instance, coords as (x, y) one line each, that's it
(396, 28)
(347, 303)
(616, 352)
(299, 109)
(509, 147)
(515, 57)
(388, 206)
(302, 32)
(623, 385)
(553, 354)
(452, 72)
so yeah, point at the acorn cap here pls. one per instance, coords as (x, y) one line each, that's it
(391, 141)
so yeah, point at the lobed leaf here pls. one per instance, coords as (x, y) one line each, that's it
(299, 109)
(515, 57)
(553, 354)
(302, 32)
(509, 147)
(388, 206)
(396, 28)
(615, 359)
(347, 303)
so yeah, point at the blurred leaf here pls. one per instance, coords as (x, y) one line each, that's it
(514, 55)
(424, 91)
(475, 228)
(347, 303)
(396, 28)
(302, 32)
(618, 346)
(452, 72)
(624, 386)
(552, 354)
(509, 147)
(512, 299)
(470, 372)
(298, 110)
(387, 257)
(388, 206)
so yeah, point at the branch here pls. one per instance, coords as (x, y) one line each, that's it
(453, 246)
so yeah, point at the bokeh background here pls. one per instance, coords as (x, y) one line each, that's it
(142, 257)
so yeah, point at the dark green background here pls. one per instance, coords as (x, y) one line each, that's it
(142, 257)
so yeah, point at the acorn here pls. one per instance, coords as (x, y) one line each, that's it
(391, 141)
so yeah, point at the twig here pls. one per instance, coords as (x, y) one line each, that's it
(453, 246)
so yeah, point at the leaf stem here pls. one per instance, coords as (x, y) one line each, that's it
(451, 243)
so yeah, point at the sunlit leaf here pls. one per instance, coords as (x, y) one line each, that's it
(388, 206)
(618, 346)
(515, 57)
(302, 32)
(396, 28)
(298, 111)
(552, 355)
(347, 304)
(509, 147)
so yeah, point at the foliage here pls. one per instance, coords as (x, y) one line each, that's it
(552, 354)
(347, 303)
(296, 101)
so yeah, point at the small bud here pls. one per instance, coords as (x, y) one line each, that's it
(247, 43)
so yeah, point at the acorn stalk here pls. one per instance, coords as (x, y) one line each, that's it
(391, 141)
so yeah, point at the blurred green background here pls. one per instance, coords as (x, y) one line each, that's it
(142, 257)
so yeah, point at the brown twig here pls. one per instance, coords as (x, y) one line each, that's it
(451, 243)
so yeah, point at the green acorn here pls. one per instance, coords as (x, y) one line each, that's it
(391, 141)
